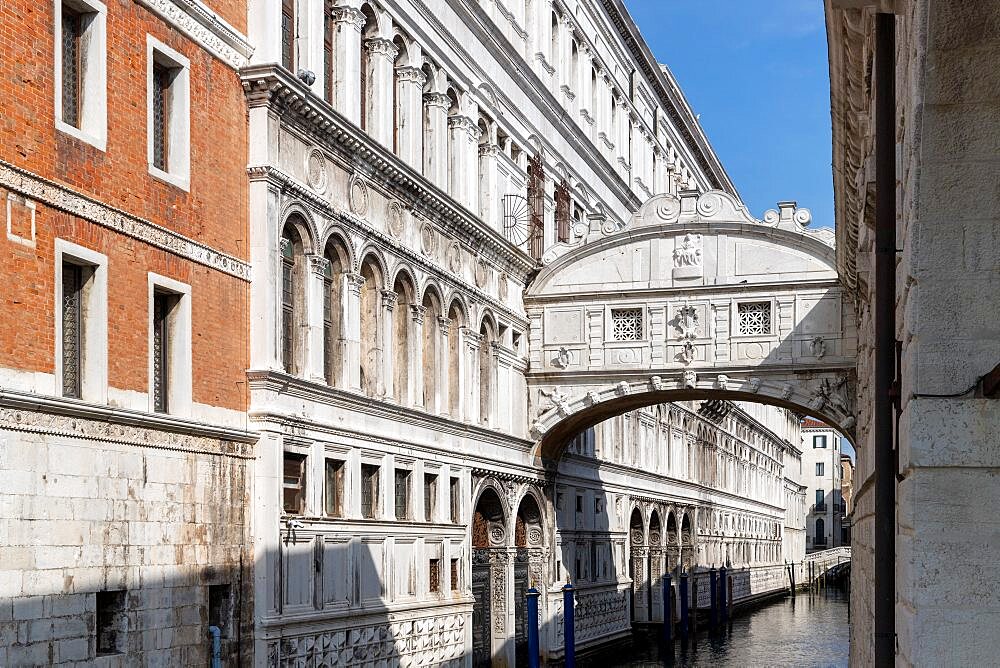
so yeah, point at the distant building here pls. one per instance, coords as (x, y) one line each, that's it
(821, 475)
(846, 493)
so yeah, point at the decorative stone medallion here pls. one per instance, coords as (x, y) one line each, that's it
(428, 239)
(482, 273)
(396, 226)
(316, 174)
(357, 195)
(454, 258)
(502, 287)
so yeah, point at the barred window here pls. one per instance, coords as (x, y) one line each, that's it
(72, 31)
(434, 575)
(369, 490)
(754, 317)
(455, 565)
(287, 33)
(402, 494)
(161, 86)
(430, 496)
(456, 499)
(626, 324)
(162, 306)
(72, 329)
(334, 492)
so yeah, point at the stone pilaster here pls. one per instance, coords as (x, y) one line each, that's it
(379, 96)
(416, 355)
(352, 329)
(389, 299)
(435, 138)
(409, 115)
(347, 61)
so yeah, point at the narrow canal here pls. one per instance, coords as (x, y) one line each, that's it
(808, 630)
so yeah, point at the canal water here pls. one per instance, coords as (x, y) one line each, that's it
(808, 630)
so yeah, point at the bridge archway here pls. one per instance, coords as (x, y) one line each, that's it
(692, 299)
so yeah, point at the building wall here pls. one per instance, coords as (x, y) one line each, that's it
(115, 516)
(946, 299)
(828, 482)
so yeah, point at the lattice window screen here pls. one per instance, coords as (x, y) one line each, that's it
(754, 317)
(626, 324)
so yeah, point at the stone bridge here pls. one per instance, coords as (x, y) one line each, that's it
(692, 299)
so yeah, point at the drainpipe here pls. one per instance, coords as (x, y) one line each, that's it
(885, 338)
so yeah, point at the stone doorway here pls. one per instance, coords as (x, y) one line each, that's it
(489, 579)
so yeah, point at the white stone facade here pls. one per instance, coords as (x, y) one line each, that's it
(821, 476)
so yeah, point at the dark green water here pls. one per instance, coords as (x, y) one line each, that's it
(809, 630)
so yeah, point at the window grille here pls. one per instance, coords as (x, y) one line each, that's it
(430, 495)
(454, 574)
(402, 492)
(161, 85)
(72, 30)
(328, 28)
(72, 330)
(287, 303)
(294, 483)
(434, 575)
(287, 32)
(626, 324)
(369, 490)
(334, 496)
(754, 317)
(536, 207)
(161, 347)
(456, 500)
(562, 211)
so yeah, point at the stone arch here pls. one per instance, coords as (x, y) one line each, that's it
(688, 540)
(337, 235)
(487, 367)
(293, 274)
(638, 553)
(455, 366)
(338, 263)
(403, 346)
(528, 541)
(299, 217)
(372, 275)
(490, 561)
(430, 346)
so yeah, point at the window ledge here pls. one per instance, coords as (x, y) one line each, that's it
(97, 141)
(180, 181)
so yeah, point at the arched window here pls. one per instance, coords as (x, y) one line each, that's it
(292, 311)
(432, 311)
(369, 31)
(398, 113)
(371, 337)
(457, 318)
(402, 324)
(820, 538)
(426, 138)
(554, 44)
(574, 63)
(593, 93)
(486, 372)
(454, 178)
(333, 311)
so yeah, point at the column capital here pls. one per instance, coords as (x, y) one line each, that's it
(459, 122)
(379, 46)
(350, 15)
(472, 339)
(417, 312)
(319, 265)
(389, 299)
(444, 324)
(489, 150)
(409, 74)
(437, 100)
(355, 282)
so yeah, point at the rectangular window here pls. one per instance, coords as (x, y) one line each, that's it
(334, 488)
(402, 492)
(819, 441)
(80, 70)
(220, 608)
(455, 496)
(434, 575)
(369, 490)
(754, 317)
(579, 503)
(111, 622)
(72, 330)
(328, 28)
(820, 496)
(454, 574)
(593, 561)
(168, 114)
(287, 33)
(430, 497)
(562, 211)
(294, 483)
(163, 304)
(819, 468)
(626, 324)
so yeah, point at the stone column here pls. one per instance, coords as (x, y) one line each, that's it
(347, 61)
(458, 157)
(379, 98)
(444, 327)
(319, 266)
(435, 138)
(489, 195)
(388, 304)
(409, 115)
(352, 330)
(473, 340)
(416, 355)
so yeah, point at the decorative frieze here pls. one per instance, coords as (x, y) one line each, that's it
(208, 29)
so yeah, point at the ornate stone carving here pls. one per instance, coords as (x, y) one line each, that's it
(357, 195)
(689, 380)
(502, 286)
(453, 258)
(557, 399)
(318, 265)
(396, 219)
(656, 383)
(428, 239)
(482, 273)
(754, 383)
(389, 299)
(722, 382)
(562, 358)
(688, 257)
(622, 388)
(316, 173)
(817, 346)
(203, 26)
(687, 327)
(593, 398)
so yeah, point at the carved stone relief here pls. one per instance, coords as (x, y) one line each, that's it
(357, 195)
(688, 257)
(316, 172)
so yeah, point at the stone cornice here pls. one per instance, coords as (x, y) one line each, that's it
(64, 198)
(196, 20)
(21, 411)
(320, 393)
(269, 85)
(284, 181)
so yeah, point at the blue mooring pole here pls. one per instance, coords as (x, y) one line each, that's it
(533, 659)
(683, 593)
(668, 611)
(216, 634)
(724, 600)
(569, 631)
(713, 589)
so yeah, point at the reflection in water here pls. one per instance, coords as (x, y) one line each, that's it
(804, 631)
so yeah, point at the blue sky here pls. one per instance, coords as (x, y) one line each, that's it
(756, 71)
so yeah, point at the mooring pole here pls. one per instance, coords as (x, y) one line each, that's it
(668, 611)
(533, 658)
(713, 588)
(722, 594)
(683, 593)
(569, 633)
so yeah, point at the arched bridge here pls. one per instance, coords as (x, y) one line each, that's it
(692, 299)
